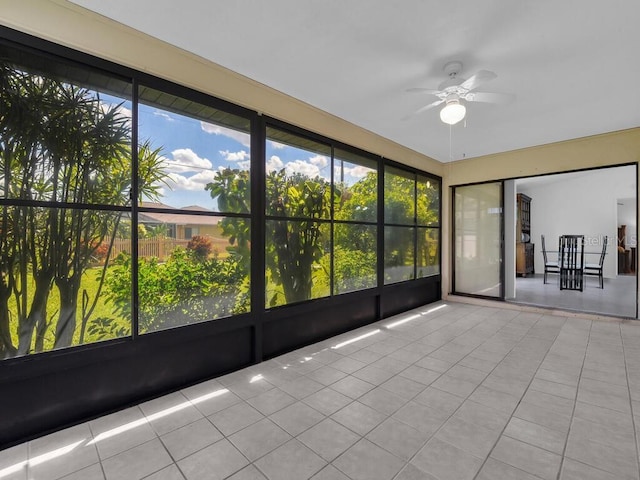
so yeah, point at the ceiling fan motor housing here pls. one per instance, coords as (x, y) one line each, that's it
(452, 69)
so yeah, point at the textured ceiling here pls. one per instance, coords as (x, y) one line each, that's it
(573, 65)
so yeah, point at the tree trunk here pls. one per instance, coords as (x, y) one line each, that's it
(41, 331)
(7, 348)
(66, 325)
(294, 264)
(37, 313)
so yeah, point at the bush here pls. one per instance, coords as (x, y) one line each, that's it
(182, 290)
(200, 246)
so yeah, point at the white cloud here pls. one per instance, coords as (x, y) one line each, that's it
(246, 165)
(305, 168)
(121, 109)
(164, 115)
(186, 160)
(274, 164)
(242, 137)
(234, 156)
(357, 172)
(195, 182)
(277, 145)
(319, 161)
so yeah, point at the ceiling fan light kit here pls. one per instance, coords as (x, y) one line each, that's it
(453, 111)
(455, 90)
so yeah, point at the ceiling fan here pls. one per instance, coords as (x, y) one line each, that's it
(455, 89)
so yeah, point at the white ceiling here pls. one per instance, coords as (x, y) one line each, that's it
(574, 65)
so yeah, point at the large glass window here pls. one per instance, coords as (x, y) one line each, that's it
(399, 258)
(399, 196)
(81, 232)
(194, 164)
(355, 228)
(65, 158)
(411, 216)
(478, 236)
(298, 186)
(427, 215)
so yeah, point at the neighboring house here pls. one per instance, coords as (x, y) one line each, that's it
(180, 225)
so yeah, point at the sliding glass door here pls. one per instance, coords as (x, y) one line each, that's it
(478, 240)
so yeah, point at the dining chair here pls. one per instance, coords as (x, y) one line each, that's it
(596, 268)
(571, 248)
(549, 266)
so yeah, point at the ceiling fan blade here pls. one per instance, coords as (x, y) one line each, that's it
(485, 97)
(423, 109)
(478, 79)
(428, 91)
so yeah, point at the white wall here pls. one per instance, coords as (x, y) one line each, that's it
(582, 203)
(510, 239)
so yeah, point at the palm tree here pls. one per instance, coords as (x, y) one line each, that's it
(58, 143)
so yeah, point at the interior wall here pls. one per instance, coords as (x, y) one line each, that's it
(608, 149)
(73, 26)
(583, 203)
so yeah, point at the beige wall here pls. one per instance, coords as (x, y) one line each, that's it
(590, 152)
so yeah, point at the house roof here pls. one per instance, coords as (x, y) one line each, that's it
(180, 217)
(571, 64)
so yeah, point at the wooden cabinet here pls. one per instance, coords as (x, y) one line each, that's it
(524, 259)
(524, 247)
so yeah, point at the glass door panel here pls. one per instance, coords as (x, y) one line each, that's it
(478, 240)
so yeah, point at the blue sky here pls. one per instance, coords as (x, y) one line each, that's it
(195, 151)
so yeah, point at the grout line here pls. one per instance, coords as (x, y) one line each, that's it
(477, 386)
(476, 323)
(575, 402)
(521, 397)
(633, 420)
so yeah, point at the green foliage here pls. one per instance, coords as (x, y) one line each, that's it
(231, 188)
(354, 269)
(359, 202)
(200, 247)
(58, 143)
(184, 289)
(293, 247)
(427, 202)
(399, 197)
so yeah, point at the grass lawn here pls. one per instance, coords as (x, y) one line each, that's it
(90, 285)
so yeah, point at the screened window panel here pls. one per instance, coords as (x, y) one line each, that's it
(297, 255)
(192, 156)
(53, 293)
(66, 132)
(356, 184)
(428, 201)
(355, 250)
(428, 252)
(399, 262)
(190, 269)
(399, 196)
(298, 182)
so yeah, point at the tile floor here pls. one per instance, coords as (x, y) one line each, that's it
(447, 391)
(617, 298)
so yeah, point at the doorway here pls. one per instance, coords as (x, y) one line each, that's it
(593, 203)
